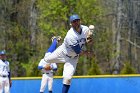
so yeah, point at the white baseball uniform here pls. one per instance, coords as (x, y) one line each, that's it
(65, 54)
(4, 80)
(47, 76)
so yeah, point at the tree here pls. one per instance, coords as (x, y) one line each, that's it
(128, 69)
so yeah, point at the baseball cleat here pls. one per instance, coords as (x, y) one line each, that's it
(54, 37)
(58, 38)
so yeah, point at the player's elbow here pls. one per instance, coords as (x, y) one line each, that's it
(54, 69)
(77, 49)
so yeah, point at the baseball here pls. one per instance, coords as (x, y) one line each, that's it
(91, 27)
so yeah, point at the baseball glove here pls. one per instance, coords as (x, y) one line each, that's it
(47, 67)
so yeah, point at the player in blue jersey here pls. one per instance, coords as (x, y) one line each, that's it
(68, 53)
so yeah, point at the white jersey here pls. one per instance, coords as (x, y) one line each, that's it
(4, 68)
(65, 53)
(4, 80)
(47, 76)
(72, 38)
(43, 63)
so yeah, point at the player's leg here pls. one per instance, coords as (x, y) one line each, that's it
(55, 57)
(43, 83)
(52, 46)
(55, 41)
(65, 88)
(69, 69)
(50, 83)
(52, 53)
(1, 84)
(6, 85)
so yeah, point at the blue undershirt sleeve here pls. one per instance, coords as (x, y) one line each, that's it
(77, 48)
(40, 67)
(54, 69)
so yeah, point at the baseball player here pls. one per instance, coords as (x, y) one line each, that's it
(68, 53)
(5, 78)
(48, 70)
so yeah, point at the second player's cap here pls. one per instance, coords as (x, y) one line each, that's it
(2, 52)
(74, 17)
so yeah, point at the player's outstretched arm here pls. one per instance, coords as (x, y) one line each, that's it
(90, 34)
(87, 53)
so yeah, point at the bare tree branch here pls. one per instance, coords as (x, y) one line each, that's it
(131, 42)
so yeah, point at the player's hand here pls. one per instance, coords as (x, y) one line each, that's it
(47, 67)
(89, 40)
(90, 34)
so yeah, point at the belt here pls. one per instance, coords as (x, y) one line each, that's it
(71, 56)
(48, 73)
(45, 73)
(3, 76)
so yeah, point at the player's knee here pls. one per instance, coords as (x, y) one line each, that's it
(66, 81)
(46, 55)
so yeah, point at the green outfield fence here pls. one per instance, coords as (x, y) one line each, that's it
(82, 84)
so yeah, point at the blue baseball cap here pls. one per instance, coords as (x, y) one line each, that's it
(2, 52)
(74, 17)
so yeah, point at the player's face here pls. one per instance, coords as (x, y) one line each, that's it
(2, 56)
(76, 23)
